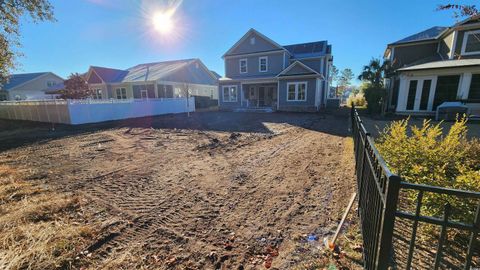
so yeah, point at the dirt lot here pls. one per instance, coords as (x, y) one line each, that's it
(217, 190)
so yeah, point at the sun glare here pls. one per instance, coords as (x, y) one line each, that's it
(163, 21)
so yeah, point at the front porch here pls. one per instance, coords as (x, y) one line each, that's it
(263, 95)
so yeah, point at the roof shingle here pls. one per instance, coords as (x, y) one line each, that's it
(429, 34)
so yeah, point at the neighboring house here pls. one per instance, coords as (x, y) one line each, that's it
(261, 73)
(29, 86)
(434, 66)
(167, 79)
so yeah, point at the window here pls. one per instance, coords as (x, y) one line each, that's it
(263, 64)
(121, 93)
(471, 42)
(425, 95)
(252, 41)
(412, 92)
(297, 91)
(165, 91)
(446, 90)
(230, 93)
(243, 66)
(51, 83)
(474, 92)
(97, 93)
(144, 94)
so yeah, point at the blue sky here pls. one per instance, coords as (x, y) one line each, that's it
(119, 33)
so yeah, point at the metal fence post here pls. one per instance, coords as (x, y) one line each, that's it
(388, 222)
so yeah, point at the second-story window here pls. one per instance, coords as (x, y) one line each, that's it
(243, 66)
(471, 43)
(263, 64)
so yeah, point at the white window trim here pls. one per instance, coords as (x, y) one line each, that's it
(121, 94)
(260, 65)
(464, 43)
(144, 91)
(230, 97)
(296, 91)
(95, 93)
(240, 65)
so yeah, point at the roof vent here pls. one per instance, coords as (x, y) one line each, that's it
(252, 41)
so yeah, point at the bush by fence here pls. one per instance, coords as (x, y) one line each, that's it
(427, 157)
(390, 224)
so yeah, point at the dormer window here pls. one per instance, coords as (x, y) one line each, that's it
(243, 66)
(471, 43)
(263, 64)
(252, 41)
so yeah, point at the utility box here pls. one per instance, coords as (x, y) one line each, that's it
(449, 111)
(333, 103)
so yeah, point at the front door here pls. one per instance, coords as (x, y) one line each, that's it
(261, 96)
(420, 94)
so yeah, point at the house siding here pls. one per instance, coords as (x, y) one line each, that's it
(406, 55)
(275, 66)
(260, 45)
(229, 105)
(446, 46)
(308, 105)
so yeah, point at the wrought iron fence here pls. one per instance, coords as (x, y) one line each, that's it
(379, 208)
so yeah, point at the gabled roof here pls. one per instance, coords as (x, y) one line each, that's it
(298, 63)
(215, 74)
(426, 35)
(15, 80)
(109, 75)
(246, 36)
(310, 49)
(144, 72)
(154, 71)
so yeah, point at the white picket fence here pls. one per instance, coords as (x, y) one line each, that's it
(92, 111)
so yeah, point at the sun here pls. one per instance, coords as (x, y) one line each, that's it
(163, 21)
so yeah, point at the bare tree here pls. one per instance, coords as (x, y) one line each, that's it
(186, 92)
(460, 10)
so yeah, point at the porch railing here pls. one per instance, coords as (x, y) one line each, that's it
(379, 209)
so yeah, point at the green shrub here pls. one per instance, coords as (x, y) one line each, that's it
(423, 155)
(358, 100)
(374, 97)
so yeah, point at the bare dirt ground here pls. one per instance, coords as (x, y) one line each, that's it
(217, 190)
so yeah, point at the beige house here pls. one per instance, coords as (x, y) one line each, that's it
(153, 80)
(29, 86)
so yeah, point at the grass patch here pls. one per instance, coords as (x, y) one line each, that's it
(39, 228)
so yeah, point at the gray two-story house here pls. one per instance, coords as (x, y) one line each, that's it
(260, 73)
(440, 64)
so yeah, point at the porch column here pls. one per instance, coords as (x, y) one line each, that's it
(402, 94)
(464, 87)
(241, 94)
(155, 89)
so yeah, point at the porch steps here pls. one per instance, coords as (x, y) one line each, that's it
(257, 110)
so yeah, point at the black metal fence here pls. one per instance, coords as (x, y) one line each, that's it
(379, 208)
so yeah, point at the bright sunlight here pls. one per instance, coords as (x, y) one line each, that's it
(163, 21)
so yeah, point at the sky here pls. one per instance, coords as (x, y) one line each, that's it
(121, 33)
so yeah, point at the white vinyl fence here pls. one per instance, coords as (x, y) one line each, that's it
(92, 111)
